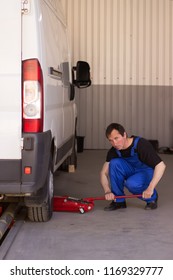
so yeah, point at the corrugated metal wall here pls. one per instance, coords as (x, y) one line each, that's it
(129, 45)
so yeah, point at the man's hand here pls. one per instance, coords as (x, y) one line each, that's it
(158, 173)
(109, 196)
(147, 193)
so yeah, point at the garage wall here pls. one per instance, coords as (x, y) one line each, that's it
(128, 44)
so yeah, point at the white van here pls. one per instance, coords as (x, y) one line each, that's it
(37, 108)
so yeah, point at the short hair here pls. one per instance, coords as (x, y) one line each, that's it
(115, 126)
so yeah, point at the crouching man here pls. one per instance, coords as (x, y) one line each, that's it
(133, 163)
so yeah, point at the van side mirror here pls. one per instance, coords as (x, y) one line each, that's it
(81, 74)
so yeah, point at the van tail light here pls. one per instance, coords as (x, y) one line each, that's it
(32, 101)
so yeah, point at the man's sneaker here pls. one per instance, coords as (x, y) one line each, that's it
(115, 205)
(151, 205)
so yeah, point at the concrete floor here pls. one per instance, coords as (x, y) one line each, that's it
(125, 234)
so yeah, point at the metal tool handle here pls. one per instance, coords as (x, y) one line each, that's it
(115, 197)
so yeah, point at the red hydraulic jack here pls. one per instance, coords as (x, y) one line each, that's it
(71, 204)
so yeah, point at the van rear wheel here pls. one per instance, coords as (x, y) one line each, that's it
(44, 212)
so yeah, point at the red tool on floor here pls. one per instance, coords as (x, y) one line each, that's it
(71, 204)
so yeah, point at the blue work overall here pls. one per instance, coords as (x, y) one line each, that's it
(130, 173)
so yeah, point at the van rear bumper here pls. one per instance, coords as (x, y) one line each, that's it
(36, 156)
(10, 170)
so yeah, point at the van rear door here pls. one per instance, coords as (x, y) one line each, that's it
(10, 80)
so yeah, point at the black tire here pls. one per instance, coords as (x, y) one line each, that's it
(44, 212)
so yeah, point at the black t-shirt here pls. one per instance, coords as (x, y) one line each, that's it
(144, 149)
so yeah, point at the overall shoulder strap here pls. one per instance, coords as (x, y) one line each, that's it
(118, 153)
(133, 149)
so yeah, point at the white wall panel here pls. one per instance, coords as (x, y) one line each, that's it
(128, 44)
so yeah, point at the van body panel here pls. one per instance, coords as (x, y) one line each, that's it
(54, 35)
(10, 80)
(39, 34)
